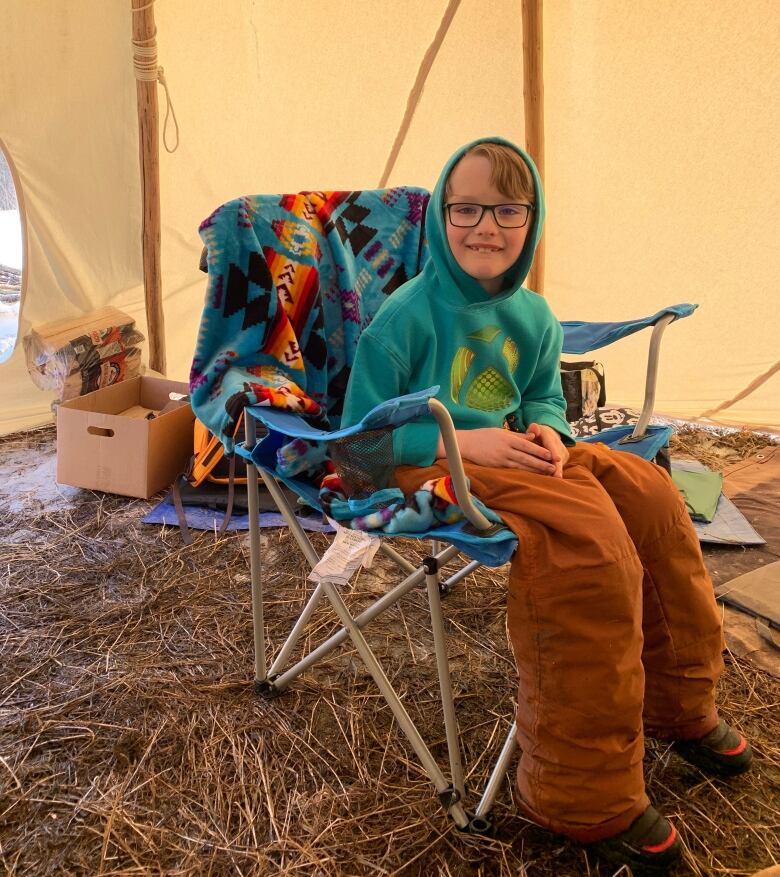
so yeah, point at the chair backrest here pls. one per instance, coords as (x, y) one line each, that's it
(292, 282)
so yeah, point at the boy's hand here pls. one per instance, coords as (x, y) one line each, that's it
(550, 439)
(505, 449)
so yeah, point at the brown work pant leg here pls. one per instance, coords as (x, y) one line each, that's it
(683, 637)
(575, 619)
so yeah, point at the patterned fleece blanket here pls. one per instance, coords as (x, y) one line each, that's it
(292, 281)
(434, 503)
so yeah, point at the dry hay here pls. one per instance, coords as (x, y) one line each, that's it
(132, 742)
(717, 448)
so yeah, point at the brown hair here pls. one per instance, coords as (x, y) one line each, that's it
(510, 174)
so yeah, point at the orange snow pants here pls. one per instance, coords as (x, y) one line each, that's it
(612, 618)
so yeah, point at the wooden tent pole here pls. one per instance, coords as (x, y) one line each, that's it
(533, 98)
(144, 32)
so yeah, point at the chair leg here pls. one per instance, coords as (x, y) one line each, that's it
(496, 777)
(295, 634)
(397, 558)
(255, 563)
(443, 667)
(262, 674)
(375, 609)
(304, 543)
(448, 795)
(272, 680)
(448, 584)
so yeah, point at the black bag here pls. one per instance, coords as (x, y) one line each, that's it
(584, 388)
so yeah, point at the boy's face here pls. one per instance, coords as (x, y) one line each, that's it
(485, 251)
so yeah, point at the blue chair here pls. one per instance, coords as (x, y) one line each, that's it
(273, 345)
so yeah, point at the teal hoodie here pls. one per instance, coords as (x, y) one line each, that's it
(493, 356)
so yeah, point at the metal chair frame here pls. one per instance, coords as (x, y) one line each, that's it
(274, 679)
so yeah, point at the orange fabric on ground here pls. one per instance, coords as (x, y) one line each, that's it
(614, 626)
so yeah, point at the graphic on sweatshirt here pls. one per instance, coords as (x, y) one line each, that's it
(490, 390)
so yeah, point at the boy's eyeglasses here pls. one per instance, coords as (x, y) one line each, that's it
(505, 215)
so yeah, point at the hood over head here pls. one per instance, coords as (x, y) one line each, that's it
(451, 276)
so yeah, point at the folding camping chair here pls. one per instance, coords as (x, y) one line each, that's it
(258, 250)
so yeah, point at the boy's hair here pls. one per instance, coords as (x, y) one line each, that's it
(510, 174)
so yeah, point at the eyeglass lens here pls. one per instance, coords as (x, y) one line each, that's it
(505, 215)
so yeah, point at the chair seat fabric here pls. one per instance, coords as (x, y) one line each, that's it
(647, 447)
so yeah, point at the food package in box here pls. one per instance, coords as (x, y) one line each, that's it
(76, 356)
(120, 367)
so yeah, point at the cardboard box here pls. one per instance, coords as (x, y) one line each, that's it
(105, 441)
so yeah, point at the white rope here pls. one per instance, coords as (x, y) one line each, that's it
(148, 70)
(169, 111)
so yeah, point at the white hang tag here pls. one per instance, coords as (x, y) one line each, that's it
(349, 550)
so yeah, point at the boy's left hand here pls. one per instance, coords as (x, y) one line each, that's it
(550, 439)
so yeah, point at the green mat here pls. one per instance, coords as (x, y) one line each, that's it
(701, 491)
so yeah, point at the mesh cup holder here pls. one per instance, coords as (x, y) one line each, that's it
(364, 461)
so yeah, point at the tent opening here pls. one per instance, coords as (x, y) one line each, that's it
(11, 258)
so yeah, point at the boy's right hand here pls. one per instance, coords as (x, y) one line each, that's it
(503, 448)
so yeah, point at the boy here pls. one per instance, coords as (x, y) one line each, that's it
(611, 612)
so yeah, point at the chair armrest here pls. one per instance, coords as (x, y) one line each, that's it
(580, 337)
(466, 503)
(393, 412)
(651, 377)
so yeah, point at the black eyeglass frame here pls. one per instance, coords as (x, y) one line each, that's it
(492, 208)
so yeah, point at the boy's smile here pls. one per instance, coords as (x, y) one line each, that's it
(485, 251)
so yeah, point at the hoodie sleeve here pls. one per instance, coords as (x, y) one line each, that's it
(543, 401)
(379, 374)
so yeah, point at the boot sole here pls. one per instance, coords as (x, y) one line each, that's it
(711, 762)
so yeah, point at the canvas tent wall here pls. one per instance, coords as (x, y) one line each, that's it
(661, 125)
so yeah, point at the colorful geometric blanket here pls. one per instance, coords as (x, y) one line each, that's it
(292, 281)
(389, 510)
(434, 503)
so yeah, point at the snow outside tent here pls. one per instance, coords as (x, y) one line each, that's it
(661, 124)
